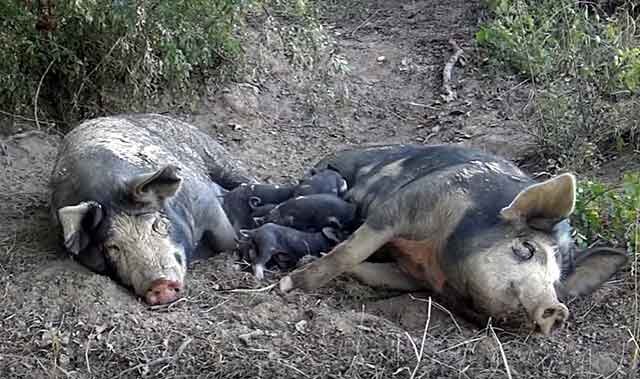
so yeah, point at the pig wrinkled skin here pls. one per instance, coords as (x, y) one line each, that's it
(312, 213)
(136, 195)
(285, 245)
(466, 224)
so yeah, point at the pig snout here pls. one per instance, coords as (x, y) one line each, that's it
(550, 317)
(163, 291)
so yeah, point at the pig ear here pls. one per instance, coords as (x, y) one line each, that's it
(94, 259)
(343, 187)
(593, 267)
(157, 186)
(544, 204)
(77, 221)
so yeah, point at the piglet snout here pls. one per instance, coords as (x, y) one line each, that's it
(550, 317)
(163, 291)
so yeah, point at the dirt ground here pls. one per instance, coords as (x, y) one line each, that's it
(58, 320)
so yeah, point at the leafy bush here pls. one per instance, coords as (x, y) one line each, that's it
(109, 55)
(585, 66)
(609, 213)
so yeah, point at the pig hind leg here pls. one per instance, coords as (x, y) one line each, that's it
(362, 243)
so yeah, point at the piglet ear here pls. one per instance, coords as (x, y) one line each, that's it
(77, 221)
(330, 234)
(156, 186)
(543, 204)
(343, 187)
(244, 233)
(593, 267)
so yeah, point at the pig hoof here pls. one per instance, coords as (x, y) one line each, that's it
(258, 271)
(286, 284)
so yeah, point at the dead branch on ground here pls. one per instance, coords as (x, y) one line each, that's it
(449, 93)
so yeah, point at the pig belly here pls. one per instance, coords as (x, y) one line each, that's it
(420, 260)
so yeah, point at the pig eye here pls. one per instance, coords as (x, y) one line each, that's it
(178, 257)
(159, 226)
(113, 248)
(525, 251)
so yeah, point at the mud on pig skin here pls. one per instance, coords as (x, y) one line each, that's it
(136, 195)
(467, 224)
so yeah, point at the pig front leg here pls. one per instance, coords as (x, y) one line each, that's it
(384, 275)
(218, 229)
(362, 243)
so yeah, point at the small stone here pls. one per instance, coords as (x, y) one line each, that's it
(301, 326)
(381, 59)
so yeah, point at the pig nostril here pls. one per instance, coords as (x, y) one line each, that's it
(548, 312)
(176, 289)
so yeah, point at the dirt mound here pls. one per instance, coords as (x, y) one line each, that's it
(58, 320)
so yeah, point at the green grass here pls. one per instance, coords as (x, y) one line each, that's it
(584, 64)
(111, 55)
(609, 214)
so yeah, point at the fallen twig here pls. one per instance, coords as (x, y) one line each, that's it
(461, 344)
(154, 362)
(26, 134)
(35, 99)
(442, 308)
(502, 353)
(364, 22)
(449, 93)
(9, 114)
(419, 354)
(141, 365)
(167, 306)
(253, 290)
(183, 346)
(86, 355)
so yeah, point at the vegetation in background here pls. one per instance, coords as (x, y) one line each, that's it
(88, 57)
(584, 62)
(609, 214)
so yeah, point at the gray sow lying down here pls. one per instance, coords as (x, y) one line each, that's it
(467, 224)
(136, 195)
